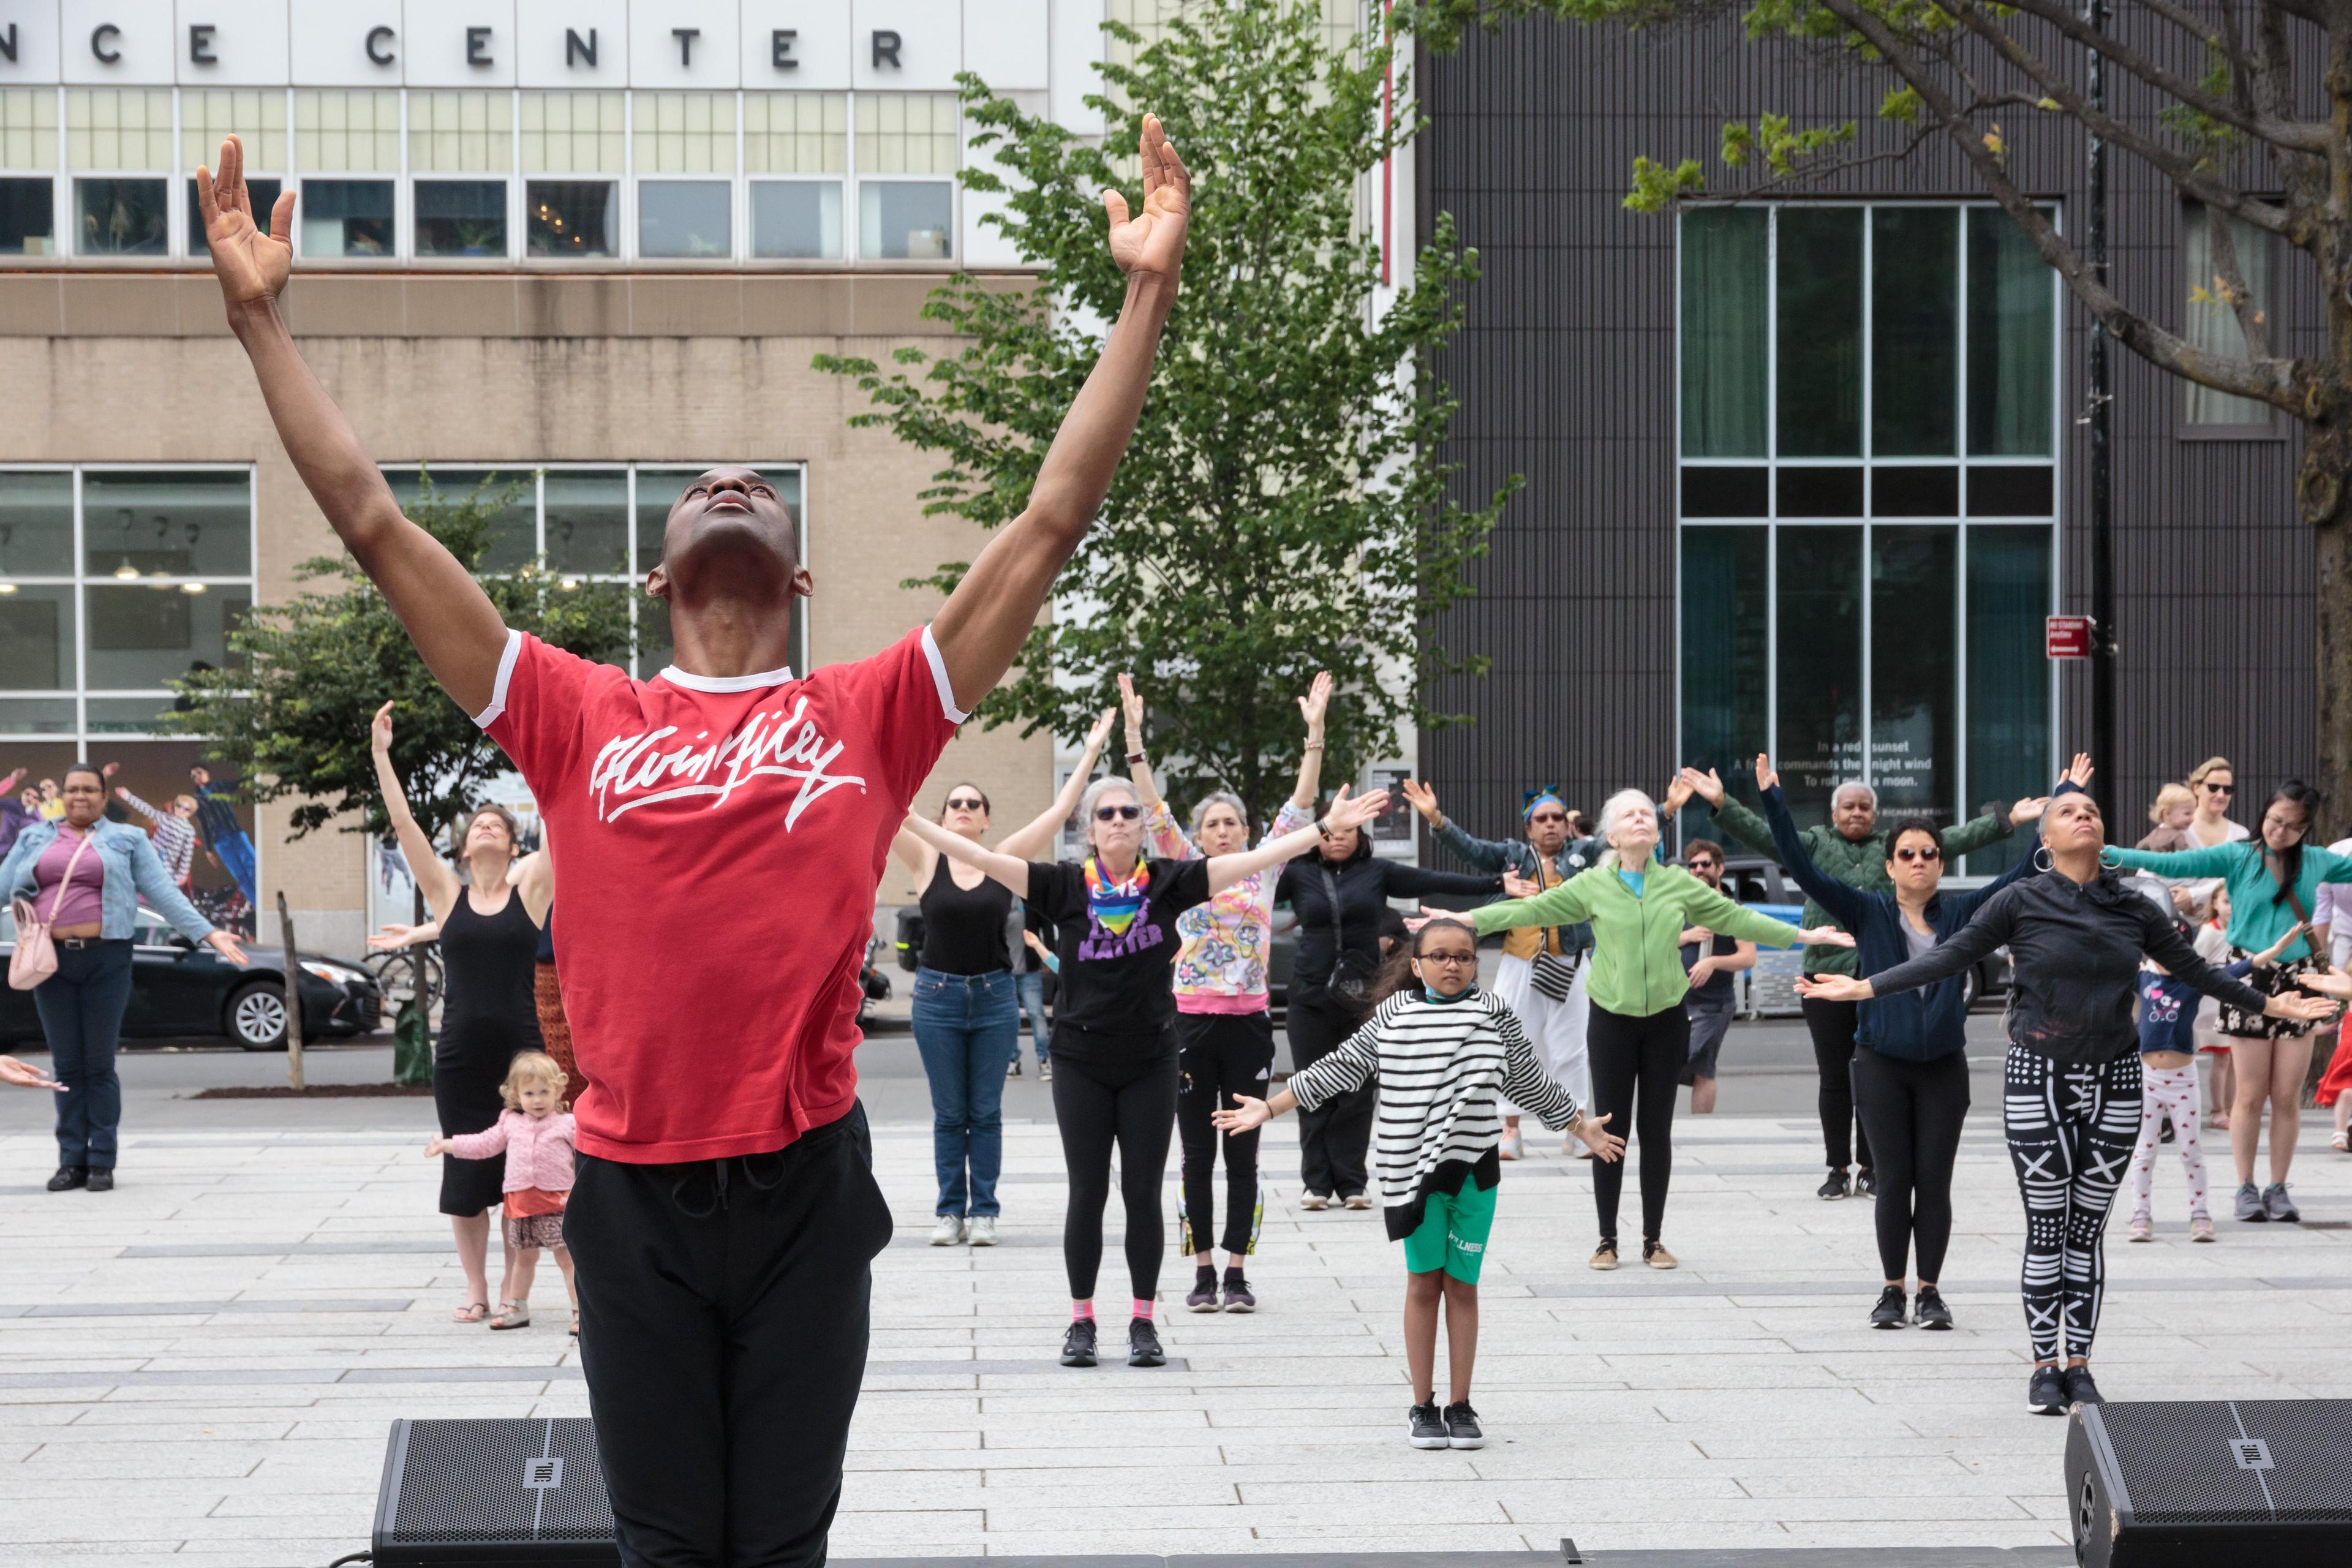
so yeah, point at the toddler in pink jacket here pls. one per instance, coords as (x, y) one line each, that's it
(536, 1140)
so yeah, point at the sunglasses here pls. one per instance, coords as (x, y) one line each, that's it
(2220, 789)
(1702, 864)
(1112, 813)
(1930, 854)
(967, 802)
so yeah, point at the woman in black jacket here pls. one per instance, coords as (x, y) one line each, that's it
(2071, 1087)
(1338, 895)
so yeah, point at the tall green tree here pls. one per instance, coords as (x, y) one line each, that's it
(291, 711)
(1282, 509)
(2240, 107)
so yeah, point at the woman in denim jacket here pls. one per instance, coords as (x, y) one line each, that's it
(92, 915)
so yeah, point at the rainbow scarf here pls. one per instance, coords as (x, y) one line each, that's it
(1115, 905)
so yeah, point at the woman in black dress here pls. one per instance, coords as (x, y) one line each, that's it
(489, 952)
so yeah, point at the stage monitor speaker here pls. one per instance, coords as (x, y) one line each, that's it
(486, 1494)
(2197, 1484)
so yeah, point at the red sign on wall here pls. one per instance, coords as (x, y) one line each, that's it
(2068, 637)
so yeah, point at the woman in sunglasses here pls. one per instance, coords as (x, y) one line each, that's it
(2071, 1084)
(967, 1012)
(1910, 1062)
(1115, 1042)
(2273, 883)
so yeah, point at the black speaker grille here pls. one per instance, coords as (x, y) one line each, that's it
(492, 1481)
(2180, 1460)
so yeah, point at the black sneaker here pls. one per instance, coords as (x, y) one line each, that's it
(1832, 1189)
(1143, 1344)
(1078, 1344)
(101, 1178)
(2046, 1394)
(1238, 1298)
(2080, 1389)
(1462, 1427)
(1929, 1310)
(68, 1177)
(2165, 1136)
(1866, 1183)
(1888, 1313)
(1424, 1427)
(1204, 1296)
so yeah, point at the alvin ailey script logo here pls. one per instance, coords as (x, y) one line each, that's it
(766, 745)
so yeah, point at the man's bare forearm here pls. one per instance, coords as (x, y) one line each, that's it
(980, 628)
(452, 622)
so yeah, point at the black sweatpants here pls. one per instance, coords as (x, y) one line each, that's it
(1225, 1054)
(1131, 1104)
(1333, 1139)
(1636, 1057)
(1913, 1112)
(1833, 1027)
(722, 1327)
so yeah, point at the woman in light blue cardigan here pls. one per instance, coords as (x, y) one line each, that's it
(81, 1004)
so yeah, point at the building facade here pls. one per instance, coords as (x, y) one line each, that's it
(1806, 469)
(586, 246)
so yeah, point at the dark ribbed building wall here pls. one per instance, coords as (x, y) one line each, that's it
(1566, 370)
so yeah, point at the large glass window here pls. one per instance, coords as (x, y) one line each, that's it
(796, 219)
(27, 216)
(113, 582)
(690, 219)
(28, 157)
(346, 217)
(2211, 321)
(461, 217)
(1867, 390)
(572, 217)
(899, 134)
(802, 134)
(905, 220)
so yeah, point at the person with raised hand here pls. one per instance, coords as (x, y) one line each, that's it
(1851, 846)
(1115, 1047)
(1639, 907)
(724, 1213)
(2071, 1085)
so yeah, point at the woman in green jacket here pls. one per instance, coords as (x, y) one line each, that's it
(1639, 1036)
(2273, 879)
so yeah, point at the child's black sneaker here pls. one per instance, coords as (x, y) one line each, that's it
(2046, 1394)
(1143, 1344)
(1929, 1311)
(1462, 1427)
(1078, 1344)
(1424, 1426)
(1888, 1313)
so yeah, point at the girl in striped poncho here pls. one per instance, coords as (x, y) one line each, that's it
(1444, 1053)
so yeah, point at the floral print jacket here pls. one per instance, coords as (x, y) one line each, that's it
(1223, 943)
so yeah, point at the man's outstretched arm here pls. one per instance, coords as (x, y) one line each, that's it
(449, 618)
(981, 627)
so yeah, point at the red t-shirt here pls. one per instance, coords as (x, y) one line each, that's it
(717, 842)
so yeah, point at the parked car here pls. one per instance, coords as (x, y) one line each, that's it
(179, 990)
(1769, 990)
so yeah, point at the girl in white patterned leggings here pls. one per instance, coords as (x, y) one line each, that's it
(2168, 1071)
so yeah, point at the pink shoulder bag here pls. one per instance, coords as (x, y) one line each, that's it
(36, 958)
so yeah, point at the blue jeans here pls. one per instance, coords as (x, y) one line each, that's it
(81, 1010)
(967, 1028)
(1033, 1002)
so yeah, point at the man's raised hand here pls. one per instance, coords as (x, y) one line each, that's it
(1151, 243)
(251, 263)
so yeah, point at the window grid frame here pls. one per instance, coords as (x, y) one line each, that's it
(1868, 462)
(81, 579)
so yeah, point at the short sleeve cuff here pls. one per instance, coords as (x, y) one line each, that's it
(513, 651)
(955, 715)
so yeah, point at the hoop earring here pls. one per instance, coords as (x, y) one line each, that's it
(2042, 860)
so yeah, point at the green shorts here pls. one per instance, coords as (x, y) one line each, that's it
(1452, 1233)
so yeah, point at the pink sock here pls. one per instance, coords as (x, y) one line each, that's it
(1143, 1309)
(1082, 1311)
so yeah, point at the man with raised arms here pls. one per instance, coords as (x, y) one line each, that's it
(730, 821)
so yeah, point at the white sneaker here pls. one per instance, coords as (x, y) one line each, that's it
(983, 1230)
(949, 1231)
(1314, 1199)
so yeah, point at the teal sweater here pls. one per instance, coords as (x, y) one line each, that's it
(2258, 916)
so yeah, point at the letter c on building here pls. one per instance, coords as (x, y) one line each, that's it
(100, 37)
(379, 44)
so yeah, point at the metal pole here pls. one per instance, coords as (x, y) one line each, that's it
(2103, 541)
(293, 997)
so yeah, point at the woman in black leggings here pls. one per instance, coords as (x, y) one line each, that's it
(1910, 1065)
(2071, 1087)
(1115, 1046)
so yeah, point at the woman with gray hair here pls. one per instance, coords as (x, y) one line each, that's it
(1225, 1031)
(1115, 1042)
(1639, 1034)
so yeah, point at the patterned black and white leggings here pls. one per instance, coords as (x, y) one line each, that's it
(2071, 1134)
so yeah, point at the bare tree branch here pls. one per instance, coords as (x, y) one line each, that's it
(2233, 290)
(2302, 136)
(2280, 383)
